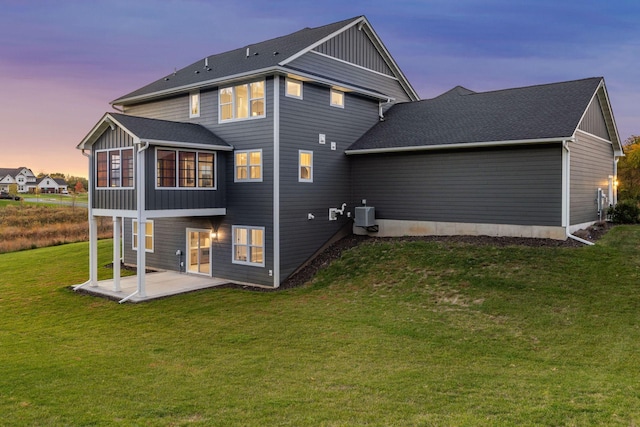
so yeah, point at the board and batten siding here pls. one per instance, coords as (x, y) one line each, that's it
(519, 185)
(591, 165)
(301, 123)
(343, 72)
(105, 197)
(593, 121)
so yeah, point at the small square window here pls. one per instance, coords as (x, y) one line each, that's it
(337, 98)
(305, 166)
(294, 88)
(248, 166)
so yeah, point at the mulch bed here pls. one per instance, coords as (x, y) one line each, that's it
(334, 251)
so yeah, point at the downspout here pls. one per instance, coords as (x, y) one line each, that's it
(380, 114)
(93, 237)
(140, 217)
(565, 145)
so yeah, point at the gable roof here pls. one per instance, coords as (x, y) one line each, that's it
(158, 132)
(461, 117)
(59, 181)
(12, 171)
(267, 56)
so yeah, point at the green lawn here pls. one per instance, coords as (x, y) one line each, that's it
(411, 333)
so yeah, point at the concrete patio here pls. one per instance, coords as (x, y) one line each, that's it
(158, 285)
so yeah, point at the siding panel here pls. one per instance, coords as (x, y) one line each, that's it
(593, 121)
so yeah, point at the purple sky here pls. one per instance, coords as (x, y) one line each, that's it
(63, 61)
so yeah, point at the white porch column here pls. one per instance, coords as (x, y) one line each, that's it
(117, 226)
(141, 218)
(93, 251)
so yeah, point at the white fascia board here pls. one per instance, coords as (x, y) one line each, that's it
(609, 112)
(181, 213)
(194, 86)
(179, 144)
(458, 146)
(94, 133)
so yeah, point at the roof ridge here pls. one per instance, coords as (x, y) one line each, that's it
(536, 86)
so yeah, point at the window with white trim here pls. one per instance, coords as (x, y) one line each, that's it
(194, 104)
(248, 166)
(114, 168)
(185, 169)
(242, 102)
(293, 88)
(305, 166)
(248, 245)
(148, 235)
(337, 98)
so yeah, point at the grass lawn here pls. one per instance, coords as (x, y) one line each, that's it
(393, 333)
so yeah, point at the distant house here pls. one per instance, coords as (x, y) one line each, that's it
(49, 185)
(23, 177)
(243, 165)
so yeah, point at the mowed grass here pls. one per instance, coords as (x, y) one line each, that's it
(393, 333)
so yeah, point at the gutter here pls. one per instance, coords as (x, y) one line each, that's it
(565, 146)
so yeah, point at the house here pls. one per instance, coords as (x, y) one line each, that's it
(23, 177)
(46, 184)
(245, 164)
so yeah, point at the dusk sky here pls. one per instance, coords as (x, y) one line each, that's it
(63, 61)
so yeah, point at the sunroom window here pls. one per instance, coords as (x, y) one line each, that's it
(185, 169)
(114, 168)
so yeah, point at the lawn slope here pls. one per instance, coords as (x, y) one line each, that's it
(392, 333)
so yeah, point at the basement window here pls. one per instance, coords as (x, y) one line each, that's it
(248, 245)
(148, 235)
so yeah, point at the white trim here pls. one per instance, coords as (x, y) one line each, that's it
(300, 178)
(134, 236)
(188, 145)
(276, 181)
(249, 245)
(565, 184)
(248, 178)
(191, 96)
(599, 138)
(337, 92)
(458, 145)
(188, 251)
(294, 81)
(108, 150)
(354, 65)
(181, 213)
(177, 170)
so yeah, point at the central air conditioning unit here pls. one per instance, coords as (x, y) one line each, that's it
(366, 218)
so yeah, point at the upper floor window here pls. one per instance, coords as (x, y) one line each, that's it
(248, 165)
(242, 101)
(294, 88)
(337, 98)
(114, 168)
(185, 169)
(194, 104)
(305, 166)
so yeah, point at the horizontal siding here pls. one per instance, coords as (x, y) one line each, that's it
(106, 198)
(339, 71)
(593, 121)
(591, 164)
(355, 46)
(301, 123)
(520, 186)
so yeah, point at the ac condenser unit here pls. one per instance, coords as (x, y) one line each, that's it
(365, 216)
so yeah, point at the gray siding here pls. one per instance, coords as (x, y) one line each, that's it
(354, 46)
(182, 198)
(301, 123)
(339, 71)
(107, 198)
(520, 186)
(591, 164)
(593, 121)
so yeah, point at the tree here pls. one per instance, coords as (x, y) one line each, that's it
(629, 170)
(13, 189)
(78, 188)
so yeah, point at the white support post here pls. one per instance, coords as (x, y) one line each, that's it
(141, 219)
(117, 221)
(93, 251)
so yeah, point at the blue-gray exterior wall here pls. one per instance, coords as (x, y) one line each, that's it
(301, 123)
(591, 161)
(519, 185)
(593, 121)
(108, 198)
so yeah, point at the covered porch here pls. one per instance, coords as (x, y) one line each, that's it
(158, 285)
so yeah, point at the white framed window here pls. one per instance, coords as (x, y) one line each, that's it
(293, 88)
(114, 168)
(242, 102)
(305, 166)
(194, 104)
(248, 245)
(148, 235)
(185, 169)
(337, 98)
(248, 166)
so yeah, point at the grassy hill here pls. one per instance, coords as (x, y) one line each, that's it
(392, 333)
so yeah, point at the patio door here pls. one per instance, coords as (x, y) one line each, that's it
(199, 251)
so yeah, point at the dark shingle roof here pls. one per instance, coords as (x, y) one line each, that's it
(164, 130)
(234, 62)
(461, 116)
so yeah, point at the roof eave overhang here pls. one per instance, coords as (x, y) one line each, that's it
(181, 144)
(458, 146)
